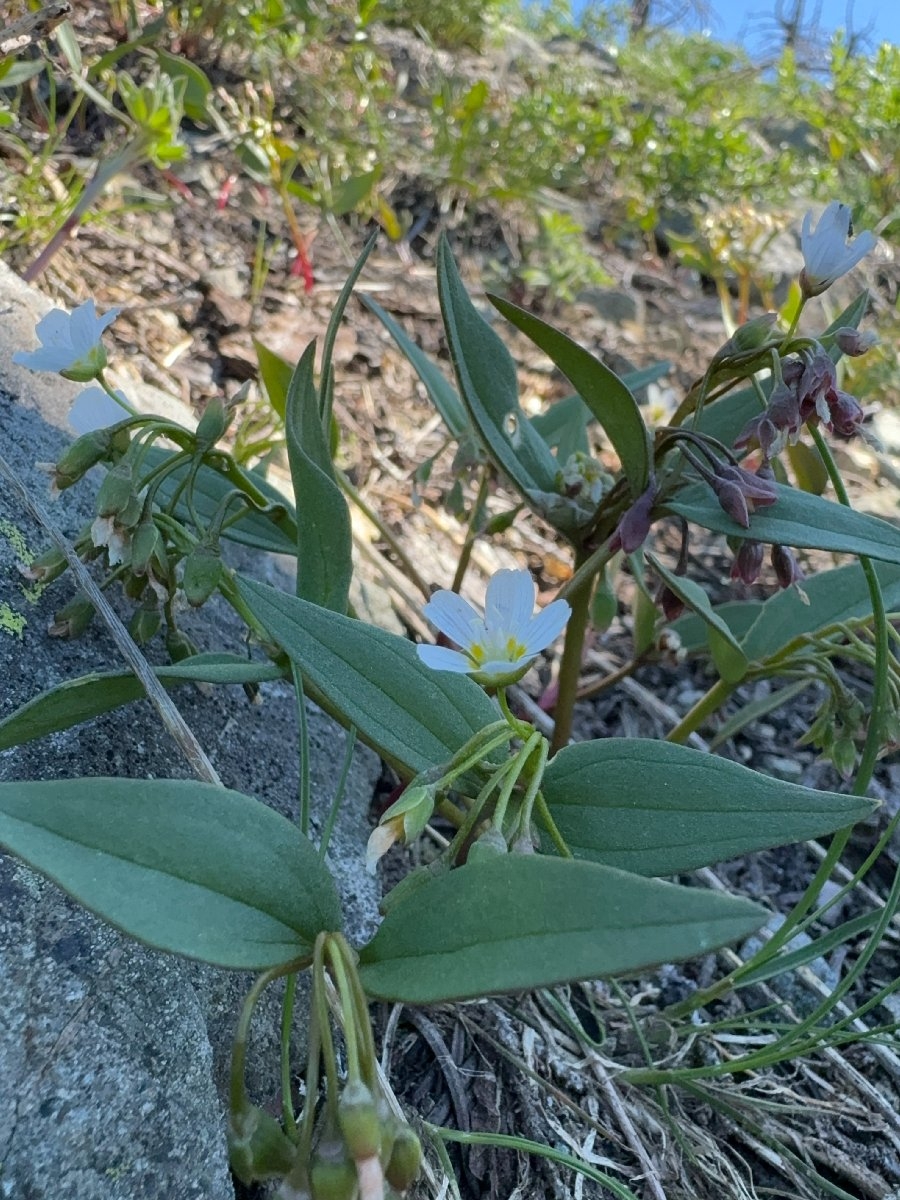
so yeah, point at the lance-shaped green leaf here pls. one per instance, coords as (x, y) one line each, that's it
(88, 696)
(657, 809)
(730, 659)
(489, 390)
(324, 538)
(184, 866)
(516, 922)
(414, 717)
(795, 519)
(831, 597)
(337, 315)
(610, 401)
(275, 531)
(441, 393)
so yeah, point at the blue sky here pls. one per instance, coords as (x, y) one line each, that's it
(746, 21)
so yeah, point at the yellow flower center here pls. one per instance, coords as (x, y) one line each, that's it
(510, 651)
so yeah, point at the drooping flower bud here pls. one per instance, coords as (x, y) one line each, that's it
(787, 569)
(202, 573)
(213, 423)
(258, 1148)
(146, 542)
(402, 822)
(490, 845)
(748, 561)
(853, 343)
(179, 646)
(752, 335)
(144, 623)
(78, 458)
(406, 1159)
(72, 620)
(359, 1122)
(332, 1175)
(46, 567)
(635, 524)
(116, 491)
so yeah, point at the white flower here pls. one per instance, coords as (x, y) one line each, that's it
(105, 531)
(70, 343)
(496, 649)
(827, 253)
(93, 408)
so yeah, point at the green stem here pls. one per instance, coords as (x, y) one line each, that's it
(405, 561)
(287, 1020)
(570, 667)
(543, 811)
(237, 1090)
(472, 530)
(339, 974)
(704, 708)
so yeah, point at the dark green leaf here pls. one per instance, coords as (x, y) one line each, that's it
(563, 426)
(441, 393)
(414, 717)
(185, 866)
(795, 519)
(657, 809)
(601, 389)
(88, 696)
(324, 538)
(524, 922)
(489, 390)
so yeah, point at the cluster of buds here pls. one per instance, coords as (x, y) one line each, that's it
(349, 1144)
(806, 394)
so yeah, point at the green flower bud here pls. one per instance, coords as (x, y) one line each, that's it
(145, 543)
(179, 646)
(212, 424)
(406, 1159)
(84, 453)
(116, 491)
(843, 755)
(134, 586)
(332, 1175)
(46, 567)
(489, 846)
(258, 1148)
(359, 1122)
(752, 335)
(144, 623)
(73, 620)
(202, 572)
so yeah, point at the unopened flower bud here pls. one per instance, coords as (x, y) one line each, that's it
(358, 1121)
(258, 1148)
(332, 1175)
(85, 452)
(853, 343)
(179, 646)
(72, 620)
(146, 541)
(491, 845)
(671, 605)
(144, 623)
(402, 822)
(212, 424)
(635, 524)
(46, 567)
(202, 573)
(748, 561)
(116, 491)
(787, 569)
(406, 1159)
(752, 335)
(133, 585)
(843, 755)
(732, 500)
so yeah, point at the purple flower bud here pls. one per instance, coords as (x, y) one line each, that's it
(758, 490)
(672, 605)
(777, 425)
(731, 498)
(787, 569)
(748, 561)
(853, 343)
(845, 413)
(635, 523)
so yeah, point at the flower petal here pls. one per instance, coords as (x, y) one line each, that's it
(509, 602)
(440, 658)
(94, 409)
(453, 616)
(547, 626)
(53, 329)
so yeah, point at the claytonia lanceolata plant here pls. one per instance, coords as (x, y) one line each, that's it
(544, 845)
(498, 648)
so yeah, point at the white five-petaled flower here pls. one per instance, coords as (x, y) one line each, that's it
(70, 343)
(498, 648)
(827, 252)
